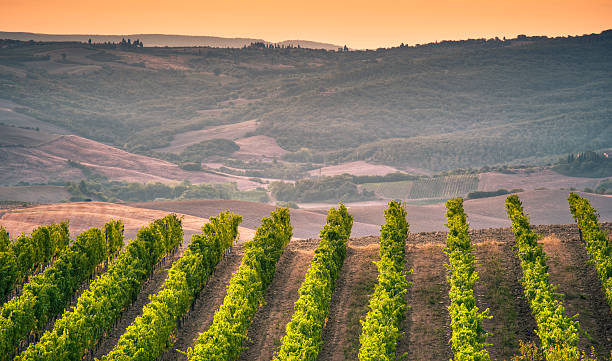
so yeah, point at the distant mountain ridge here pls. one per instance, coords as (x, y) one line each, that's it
(163, 40)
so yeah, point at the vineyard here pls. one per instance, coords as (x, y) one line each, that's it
(437, 187)
(525, 293)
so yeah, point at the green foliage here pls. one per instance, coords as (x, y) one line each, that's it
(193, 166)
(291, 205)
(24, 255)
(205, 149)
(438, 107)
(4, 239)
(604, 187)
(587, 164)
(596, 241)
(143, 192)
(151, 333)
(558, 333)
(485, 194)
(107, 297)
(114, 236)
(391, 177)
(266, 169)
(338, 188)
(468, 338)
(46, 295)
(303, 338)
(223, 340)
(381, 328)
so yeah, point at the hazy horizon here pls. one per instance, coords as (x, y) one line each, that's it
(340, 44)
(356, 24)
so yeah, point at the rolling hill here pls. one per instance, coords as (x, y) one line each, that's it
(38, 157)
(434, 107)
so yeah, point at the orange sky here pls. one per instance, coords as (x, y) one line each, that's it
(357, 23)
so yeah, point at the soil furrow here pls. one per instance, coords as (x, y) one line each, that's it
(209, 300)
(499, 289)
(349, 303)
(271, 319)
(427, 325)
(577, 279)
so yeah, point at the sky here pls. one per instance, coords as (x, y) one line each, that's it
(357, 23)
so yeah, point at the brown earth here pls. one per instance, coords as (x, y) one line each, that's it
(305, 224)
(208, 301)
(349, 303)
(34, 157)
(259, 146)
(270, 320)
(543, 207)
(83, 215)
(355, 168)
(578, 281)
(427, 324)
(499, 289)
(228, 131)
(540, 179)
(34, 194)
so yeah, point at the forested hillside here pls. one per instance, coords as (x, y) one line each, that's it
(437, 106)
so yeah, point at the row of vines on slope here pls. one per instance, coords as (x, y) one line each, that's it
(151, 333)
(47, 294)
(303, 338)
(597, 245)
(381, 328)
(108, 296)
(223, 340)
(557, 332)
(24, 255)
(468, 336)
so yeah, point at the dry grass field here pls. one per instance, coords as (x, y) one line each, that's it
(38, 157)
(83, 215)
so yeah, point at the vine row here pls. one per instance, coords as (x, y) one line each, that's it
(557, 332)
(381, 328)
(47, 294)
(108, 296)
(303, 338)
(596, 241)
(223, 340)
(468, 335)
(27, 254)
(151, 333)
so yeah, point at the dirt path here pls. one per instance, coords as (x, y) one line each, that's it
(427, 325)
(499, 289)
(349, 303)
(211, 297)
(578, 281)
(270, 320)
(149, 288)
